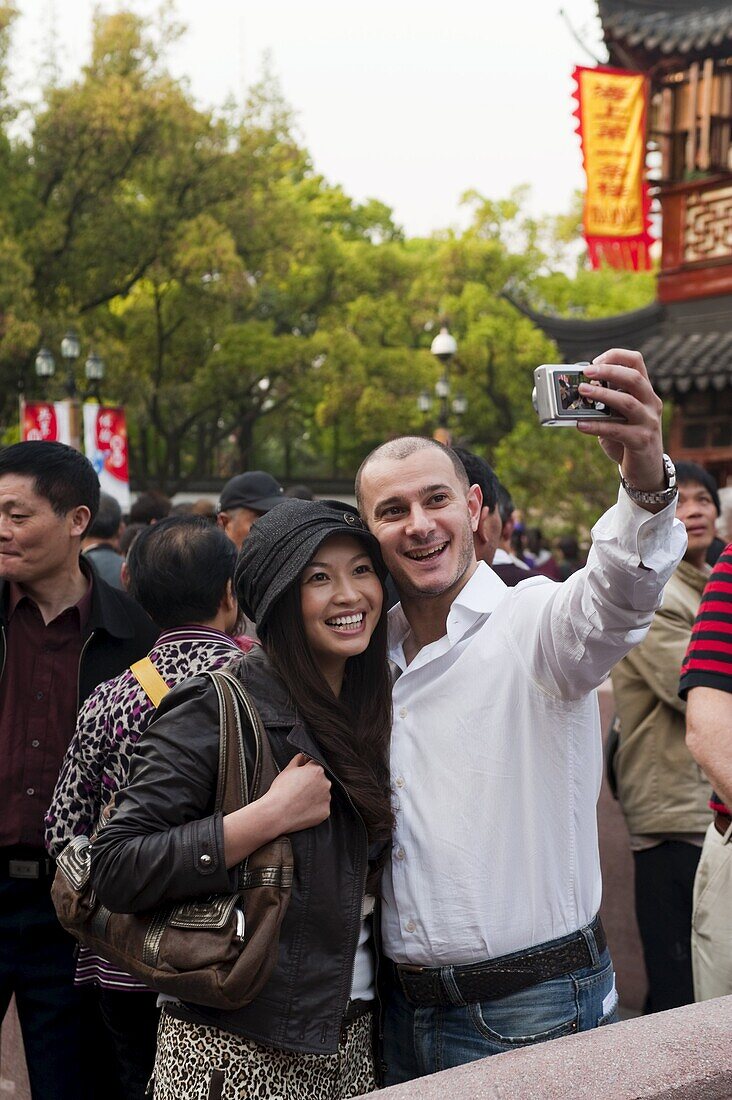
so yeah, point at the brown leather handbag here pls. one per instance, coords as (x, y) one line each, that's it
(217, 951)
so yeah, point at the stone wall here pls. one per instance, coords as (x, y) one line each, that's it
(685, 1054)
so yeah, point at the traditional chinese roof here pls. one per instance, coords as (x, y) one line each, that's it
(656, 29)
(686, 345)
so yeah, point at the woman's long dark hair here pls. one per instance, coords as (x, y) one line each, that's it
(353, 730)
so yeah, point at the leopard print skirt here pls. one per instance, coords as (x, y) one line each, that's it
(197, 1062)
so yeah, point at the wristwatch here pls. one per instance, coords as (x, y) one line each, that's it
(663, 496)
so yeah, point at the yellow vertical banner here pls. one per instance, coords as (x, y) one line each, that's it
(611, 112)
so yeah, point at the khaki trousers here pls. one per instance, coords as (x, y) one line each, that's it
(711, 926)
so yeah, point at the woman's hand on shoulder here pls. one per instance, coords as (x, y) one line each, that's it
(300, 795)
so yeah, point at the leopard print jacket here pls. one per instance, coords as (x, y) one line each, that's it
(112, 721)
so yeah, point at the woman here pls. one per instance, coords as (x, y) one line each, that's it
(311, 578)
(181, 573)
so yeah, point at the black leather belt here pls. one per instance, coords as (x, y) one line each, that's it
(26, 863)
(426, 986)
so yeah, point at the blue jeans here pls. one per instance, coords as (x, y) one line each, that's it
(418, 1041)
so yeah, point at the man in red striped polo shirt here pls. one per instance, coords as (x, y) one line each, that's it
(706, 680)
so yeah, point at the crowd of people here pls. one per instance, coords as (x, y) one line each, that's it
(425, 671)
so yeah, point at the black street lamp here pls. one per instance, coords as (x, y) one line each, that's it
(444, 348)
(94, 371)
(70, 352)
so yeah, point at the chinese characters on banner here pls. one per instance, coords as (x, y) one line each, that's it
(44, 420)
(611, 111)
(105, 443)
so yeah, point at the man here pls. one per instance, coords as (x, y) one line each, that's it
(505, 563)
(150, 507)
(706, 680)
(662, 793)
(62, 631)
(488, 528)
(100, 544)
(496, 752)
(244, 499)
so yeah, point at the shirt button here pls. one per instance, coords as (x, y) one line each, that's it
(399, 781)
(410, 926)
(403, 712)
(31, 790)
(35, 744)
(204, 860)
(400, 853)
(39, 695)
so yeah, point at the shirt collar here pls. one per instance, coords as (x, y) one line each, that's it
(478, 597)
(193, 632)
(82, 606)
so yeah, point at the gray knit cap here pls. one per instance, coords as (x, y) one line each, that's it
(281, 543)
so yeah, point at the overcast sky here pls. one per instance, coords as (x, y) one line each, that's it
(409, 101)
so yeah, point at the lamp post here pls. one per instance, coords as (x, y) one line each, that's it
(94, 371)
(444, 348)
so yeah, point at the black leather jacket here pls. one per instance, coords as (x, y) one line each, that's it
(151, 852)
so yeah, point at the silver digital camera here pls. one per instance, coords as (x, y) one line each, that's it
(558, 401)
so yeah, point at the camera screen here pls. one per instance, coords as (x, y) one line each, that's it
(569, 398)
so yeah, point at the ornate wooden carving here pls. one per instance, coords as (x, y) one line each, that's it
(708, 225)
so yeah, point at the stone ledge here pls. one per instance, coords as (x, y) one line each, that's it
(685, 1054)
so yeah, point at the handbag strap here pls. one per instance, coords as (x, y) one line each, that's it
(150, 680)
(236, 712)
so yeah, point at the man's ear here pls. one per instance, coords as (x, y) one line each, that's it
(79, 519)
(222, 520)
(475, 505)
(482, 531)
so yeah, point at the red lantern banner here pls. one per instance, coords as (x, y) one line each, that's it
(611, 111)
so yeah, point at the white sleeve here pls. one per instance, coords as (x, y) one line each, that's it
(570, 635)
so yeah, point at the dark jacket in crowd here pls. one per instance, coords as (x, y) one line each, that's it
(117, 633)
(154, 846)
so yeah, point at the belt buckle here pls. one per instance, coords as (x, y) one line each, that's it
(24, 868)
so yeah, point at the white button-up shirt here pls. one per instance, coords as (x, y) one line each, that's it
(496, 757)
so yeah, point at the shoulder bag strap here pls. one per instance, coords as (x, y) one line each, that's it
(232, 790)
(150, 680)
(238, 716)
(265, 770)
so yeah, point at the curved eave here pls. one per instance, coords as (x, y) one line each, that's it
(680, 31)
(600, 332)
(678, 359)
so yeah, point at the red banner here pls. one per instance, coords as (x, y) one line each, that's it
(105, 443)
(45, 420)
(611, 113)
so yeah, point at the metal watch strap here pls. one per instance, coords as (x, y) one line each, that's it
(663, 496)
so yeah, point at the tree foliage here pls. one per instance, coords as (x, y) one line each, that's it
(251, 311)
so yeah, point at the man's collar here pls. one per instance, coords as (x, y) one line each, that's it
(480, 596)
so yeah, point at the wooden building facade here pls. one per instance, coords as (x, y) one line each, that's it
(685, 49)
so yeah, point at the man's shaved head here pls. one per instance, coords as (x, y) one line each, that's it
(402, 447)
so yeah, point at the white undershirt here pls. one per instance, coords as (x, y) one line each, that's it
(363, 985)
